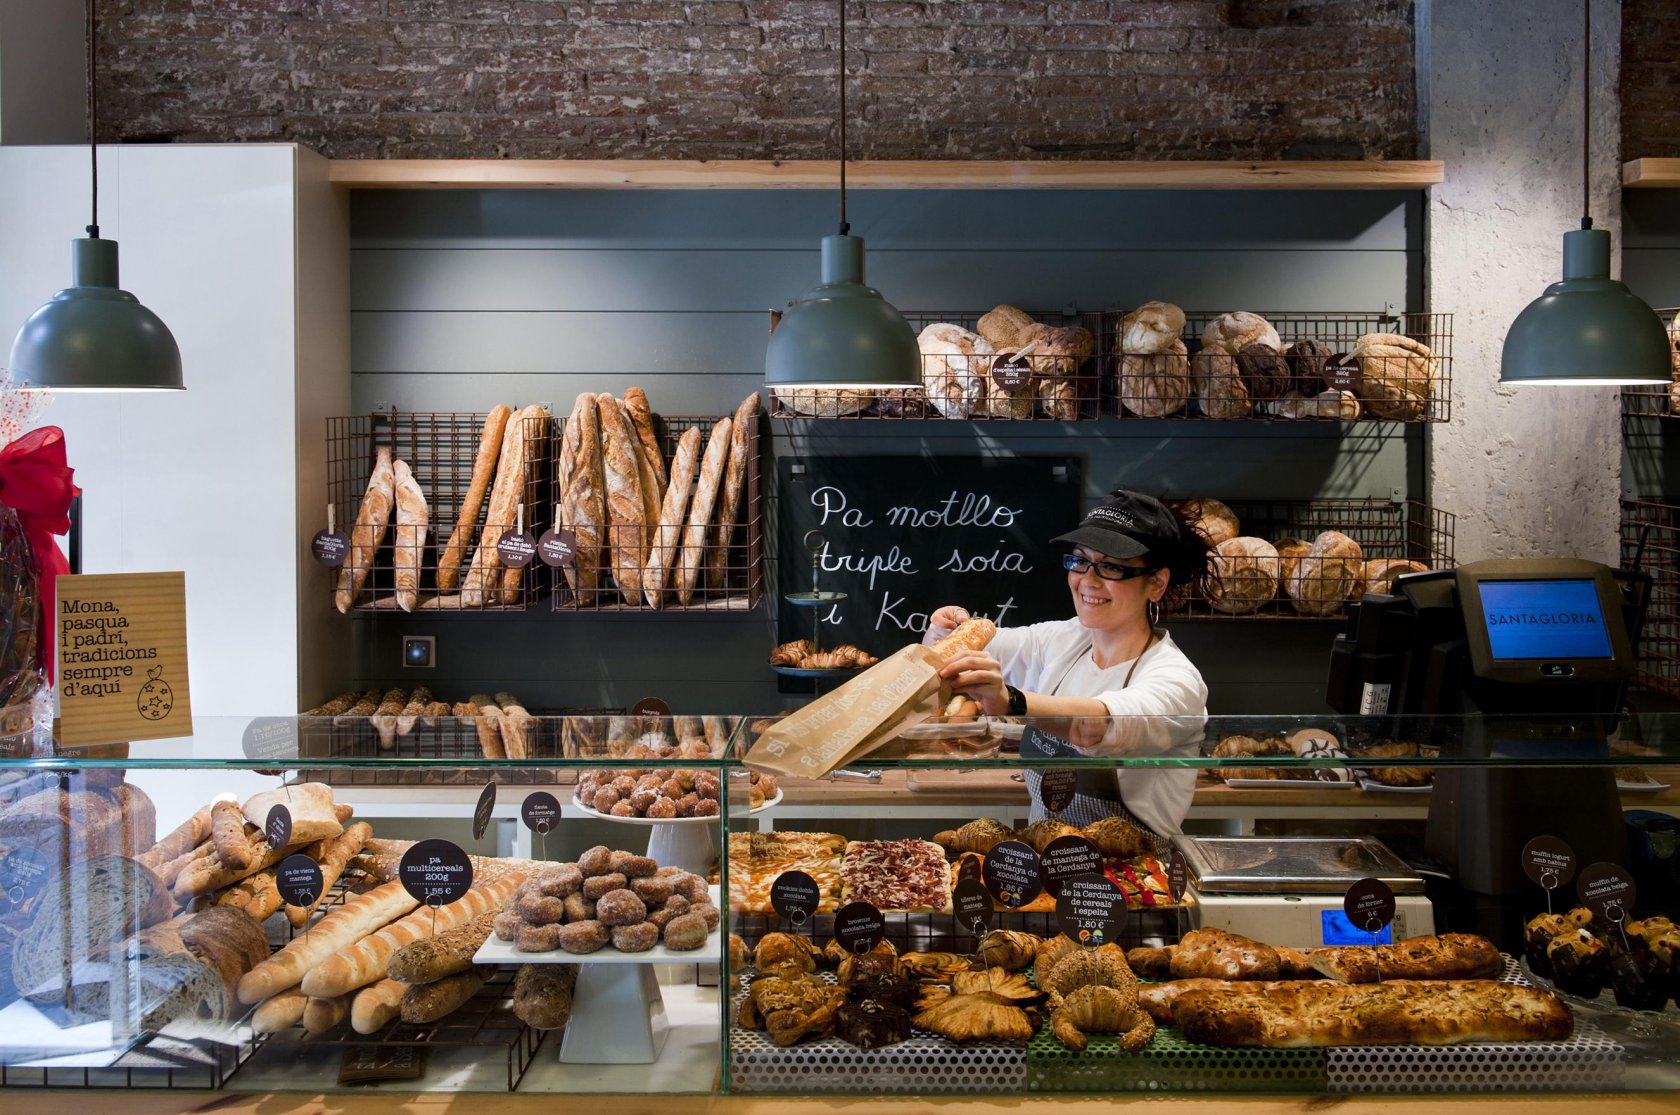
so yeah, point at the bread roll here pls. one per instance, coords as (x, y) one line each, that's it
(1245, 575)
(1327, 575)
(1396, 375)
(1003, 326)
(1218, 387)
(1157, 384)
(466, 520)
(971, 634)
(1153, 327)
(954, 362)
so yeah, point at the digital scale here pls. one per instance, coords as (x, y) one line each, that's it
(1288, 890)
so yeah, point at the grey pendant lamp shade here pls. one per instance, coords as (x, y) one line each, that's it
(93, 336)
(841, 334)
(1588, 329)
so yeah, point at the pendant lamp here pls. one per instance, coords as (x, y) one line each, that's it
(93, 336)
(1588, 329)
(841, 334)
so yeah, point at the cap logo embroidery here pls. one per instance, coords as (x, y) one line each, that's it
(1110, 514)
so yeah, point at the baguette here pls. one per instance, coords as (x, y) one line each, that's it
(971, 634)
(641, 413)
(371, 522)
(384, 718)
(336, 932)
(227, 833)
(279, 1012)
(333, 854)
(516, 725)
(700, 511)
(429, 1002)
(376, 1006)
(535, 420)
(584, 502)
(208, 875)
(321, 1015)
(335, 707)
(740, 446)
(542, 995)
(431, 959)
(484, 574)
(191, 833)
(671, 517)
(627, 533)
(171, 871)
(484, 467)
(418, 702)
(367, 961)
(413, 523)
(490, 735)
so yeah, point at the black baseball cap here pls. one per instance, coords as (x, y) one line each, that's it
(1127, 525)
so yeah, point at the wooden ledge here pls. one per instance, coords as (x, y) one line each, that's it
(660, 174)
(1651, 173)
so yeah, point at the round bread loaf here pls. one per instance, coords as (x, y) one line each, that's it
(1396, 375)
(1306, 359)
(1056, 359)
(1330, 404)
(1231, 333)
(1378, 574)
(1290, 552)
(1002, 402)
(1219, 388)
(1216, 522)
(1155, 384)
(1151, 328)
(910, 402)
(951, 374)
(81, 912)
(1263, 371)
(1327, 575)
(820, 403)
(1245, 575)
(1002, 326)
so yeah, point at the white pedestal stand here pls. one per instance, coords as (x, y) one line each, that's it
(618, 1017)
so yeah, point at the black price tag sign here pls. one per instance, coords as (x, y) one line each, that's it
(794, 895)
(1178, 875)
(1011, 373)
(859, 927)
(330, 548)
(1091, 910)
(517, 548)
(1012, 874)
(972, 905)
(1607, 891)
(22, 875)
(1548, 861)
(557, 547)
(435, 872)
(1369, 905)
(1036, 743)
(482, 811)
(299, 880)
(1343, 376)
(277, 829)
(1056, 789)
(541, 812)
(1066, 857)
(650, 706)
(268, 738)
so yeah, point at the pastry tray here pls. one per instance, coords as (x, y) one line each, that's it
(1291, 864)
(497, 951)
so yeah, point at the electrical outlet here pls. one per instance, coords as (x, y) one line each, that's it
(419, 652)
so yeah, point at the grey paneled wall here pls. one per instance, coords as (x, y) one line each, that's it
(465, 298)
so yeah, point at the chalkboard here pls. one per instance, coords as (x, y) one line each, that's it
(904, 535)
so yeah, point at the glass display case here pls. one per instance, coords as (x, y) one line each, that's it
(645, 904)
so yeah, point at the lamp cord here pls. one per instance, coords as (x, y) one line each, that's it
(845, 227)
(1586, 115)
(93, 124)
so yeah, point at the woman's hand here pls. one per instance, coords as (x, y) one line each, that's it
(979, 675)
(944, 621)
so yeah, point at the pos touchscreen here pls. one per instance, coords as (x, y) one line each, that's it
(1543, 621)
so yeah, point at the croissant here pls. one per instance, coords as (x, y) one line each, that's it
(785, 953)
(1117, 837)
(1103, 967)
(1012, 987)
(1008, 949)
(790, 654)
(826, 660)
(853, 657)
(979, 1017)
(977, 836)
(1040, 833)
(1051, 953)
(1100, 1010)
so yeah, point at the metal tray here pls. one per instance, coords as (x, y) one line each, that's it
(1292, 864)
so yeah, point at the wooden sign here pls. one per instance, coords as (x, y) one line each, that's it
(122, 658)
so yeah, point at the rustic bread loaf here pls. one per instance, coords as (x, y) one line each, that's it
(627, 533)
(1378, 574)
(81, 914)
(1448, 956)
(1003, 327)
(741, 445)
(700, 511)
(1218, 387)
(1211, 518)
(429, 1002)
(431, 958)
(954, 364)
(1396, 375)
(1327, 575)
(583, 502)
(466, 522)
(1156, 384)
(413, 523)
(1153, 327)
(1231, 333)
(1058, 361)
(1246, 571)
(372, 520)
(311, 806)
(673, 514)
(820, 402)
(542, 994)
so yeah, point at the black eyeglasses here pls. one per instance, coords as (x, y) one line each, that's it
(1107, 570)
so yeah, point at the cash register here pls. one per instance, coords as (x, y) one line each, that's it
(1496, 660)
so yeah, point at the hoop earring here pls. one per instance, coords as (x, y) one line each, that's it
(1152, 611)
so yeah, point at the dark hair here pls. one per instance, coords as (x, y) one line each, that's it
(1191, 564)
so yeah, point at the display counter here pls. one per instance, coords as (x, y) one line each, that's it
(642, 907)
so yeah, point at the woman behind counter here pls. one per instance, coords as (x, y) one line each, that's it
(1110, 660)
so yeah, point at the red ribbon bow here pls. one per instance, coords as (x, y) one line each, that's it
(37, 483)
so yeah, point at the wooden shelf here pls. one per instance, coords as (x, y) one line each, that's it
(1651, 173)
(657, 174)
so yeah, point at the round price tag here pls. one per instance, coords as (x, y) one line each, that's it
(1549, 862)
(22, 875)
(482, 811)
(277, 829)
(1012, 874)
(541, 812)
(1343, 376)
(859, 927)
(1010, 373)
(1091, 910)
(517, 548)
(1056, 789)
(299, 880)
(650, 706)
(435, 872)
(268, 738)
(1066, 857)
(1178, 875)
(1607, 891)
(557, 547)
(1369, 905)
(794, 895)
(330, 548)
(972, 905)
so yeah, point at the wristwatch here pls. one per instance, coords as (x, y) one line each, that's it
(1017, 701)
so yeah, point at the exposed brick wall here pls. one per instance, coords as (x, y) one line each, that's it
(755, 79)
(1650, 79)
